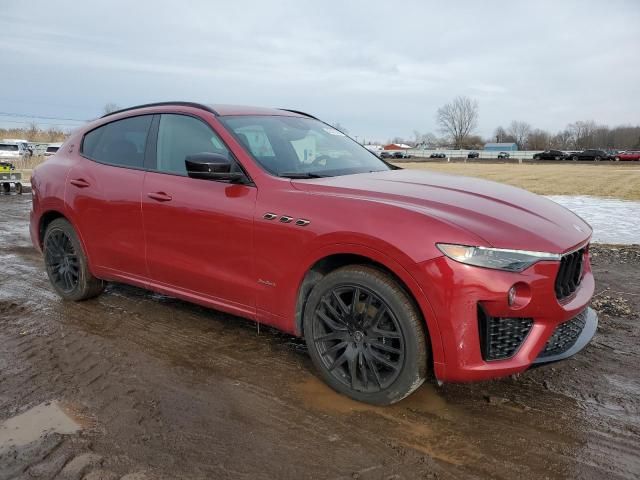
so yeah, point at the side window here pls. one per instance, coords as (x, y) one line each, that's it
(180, 136)
(119, 143)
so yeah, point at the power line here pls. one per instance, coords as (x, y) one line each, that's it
(39, 123)
(24, 115)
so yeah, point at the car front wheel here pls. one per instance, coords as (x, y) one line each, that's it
(66, 263)
(365, 335)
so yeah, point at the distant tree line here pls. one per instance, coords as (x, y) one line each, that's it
(458, 120)
(34, 133)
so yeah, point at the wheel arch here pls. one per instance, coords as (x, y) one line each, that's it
(329, 260)
(45, 220)
(53, 214)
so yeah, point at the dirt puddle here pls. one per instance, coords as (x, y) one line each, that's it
(39, 421)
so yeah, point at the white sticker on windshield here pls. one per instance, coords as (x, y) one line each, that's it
(333, 131)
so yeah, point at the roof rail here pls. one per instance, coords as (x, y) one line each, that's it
(298, 112)
(163, 104)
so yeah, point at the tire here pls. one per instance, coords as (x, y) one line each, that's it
(575, 158)
(18, 188)
(66, 263)
(557, 158)
(617, 159)
(376, 355)
(597, 159)
(6, 188)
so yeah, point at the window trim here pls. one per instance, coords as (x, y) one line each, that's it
(84, 135)
(151, 165)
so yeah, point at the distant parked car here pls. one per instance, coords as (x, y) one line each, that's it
(12, 151)
(503, 155)
(52, 149)
(473, 155)
(386, 155)
(628, 155)
(549, 155)
(401, 155)
(591, 154)
(437, 155)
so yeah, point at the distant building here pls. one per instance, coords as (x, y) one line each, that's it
(396, 146)
(374, 148)
(500, 147)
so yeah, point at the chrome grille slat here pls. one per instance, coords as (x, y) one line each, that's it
(569, 274)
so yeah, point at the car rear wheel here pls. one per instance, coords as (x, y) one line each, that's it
(66, 263)
(365, 335)
(598, 159)
(575, 158)
(617, 159)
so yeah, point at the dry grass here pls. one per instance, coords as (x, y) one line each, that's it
(603, 180)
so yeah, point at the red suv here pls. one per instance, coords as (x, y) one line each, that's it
(276, 216)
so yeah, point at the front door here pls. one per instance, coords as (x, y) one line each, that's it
(199, 233)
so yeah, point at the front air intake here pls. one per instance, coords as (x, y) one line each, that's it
(500, 338)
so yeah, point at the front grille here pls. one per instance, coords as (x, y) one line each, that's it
(500, 338)
(565, 335)
(569, 274)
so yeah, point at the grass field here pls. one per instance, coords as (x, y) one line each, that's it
(606, 180)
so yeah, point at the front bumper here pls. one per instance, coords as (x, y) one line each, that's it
(583, 339)
(458, 292)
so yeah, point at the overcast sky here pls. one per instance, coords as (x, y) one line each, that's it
(379, 68)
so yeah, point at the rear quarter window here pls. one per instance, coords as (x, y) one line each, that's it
(120, 143)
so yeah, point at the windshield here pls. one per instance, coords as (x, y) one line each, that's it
(8, 148)
(301, 147)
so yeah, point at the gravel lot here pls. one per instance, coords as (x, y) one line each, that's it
(135, 385)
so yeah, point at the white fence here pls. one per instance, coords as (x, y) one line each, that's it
(483, 154)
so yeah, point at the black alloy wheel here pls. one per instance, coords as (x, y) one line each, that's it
(365, 335)
(66, 263)
(359, 338)
(62, 261)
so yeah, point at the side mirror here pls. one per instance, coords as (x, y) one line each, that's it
(211, 166)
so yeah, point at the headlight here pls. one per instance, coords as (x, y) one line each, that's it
(497, 258)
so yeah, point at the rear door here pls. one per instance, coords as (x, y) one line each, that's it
(199, 233)
(103, 191)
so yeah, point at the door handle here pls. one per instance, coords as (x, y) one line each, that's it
(159, 196)
(79, 182)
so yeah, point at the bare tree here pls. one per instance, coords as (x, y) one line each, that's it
(500, 135)
(458, 119)
(32, 131)
(519, 131)
(583, 133)
(109, 108)
(424, 138)
(538, 140)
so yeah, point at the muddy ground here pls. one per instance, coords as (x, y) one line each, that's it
(138, 385)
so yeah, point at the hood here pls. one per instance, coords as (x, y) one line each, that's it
(504, 216)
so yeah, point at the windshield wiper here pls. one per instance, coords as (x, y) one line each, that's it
(301, 175)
